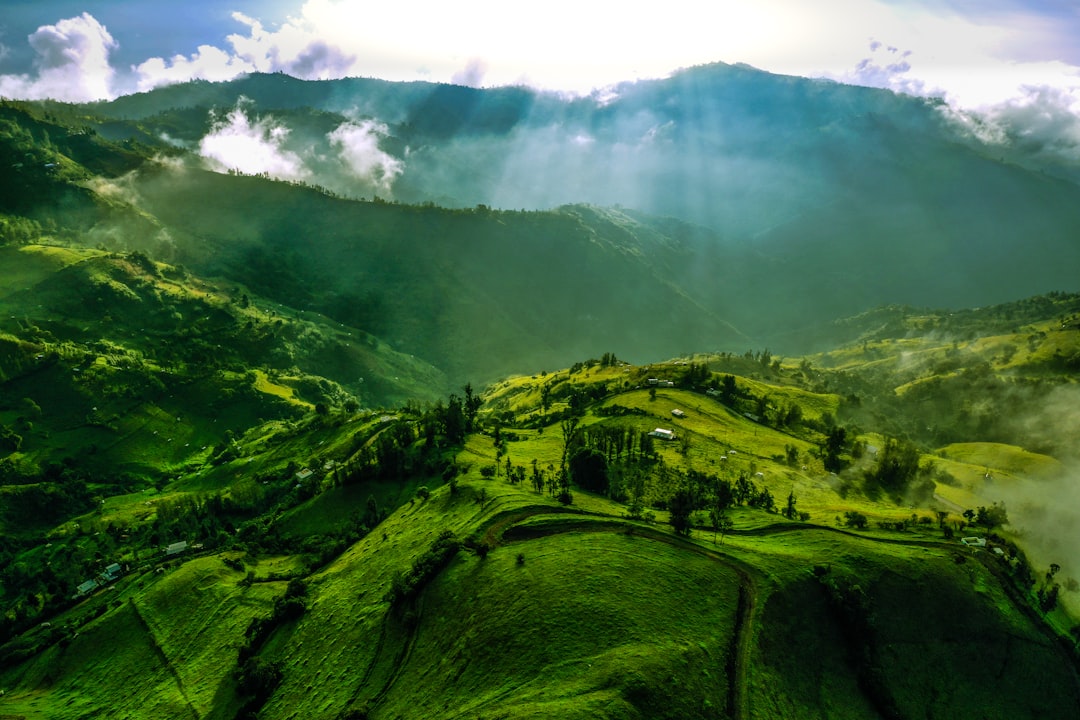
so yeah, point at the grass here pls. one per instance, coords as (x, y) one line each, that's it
(264, 385)
(604, 617)
(573, 623)
(1003, 460)
(601, 618)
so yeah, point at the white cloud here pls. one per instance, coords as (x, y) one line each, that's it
(358, 146)
(208, 63)
(71, 63)
(1043, 122)
(472, 75)
(299, 48)
(252, 147)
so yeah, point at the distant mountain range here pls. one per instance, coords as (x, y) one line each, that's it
(721, 208)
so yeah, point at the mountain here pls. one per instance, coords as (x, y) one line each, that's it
(821, 200)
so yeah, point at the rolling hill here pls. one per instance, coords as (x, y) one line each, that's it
(244, 471)
(487, 597)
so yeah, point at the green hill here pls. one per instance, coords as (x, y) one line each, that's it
(408, 576)
(238, 477)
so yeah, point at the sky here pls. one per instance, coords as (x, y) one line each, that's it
(975, 53)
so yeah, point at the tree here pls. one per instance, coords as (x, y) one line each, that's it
(454, 422)
(897, 465)
(723, 496)
(791, 454)
(537, 478)
(680, 506)
(835, 442)
(257, 679)
(589, 470)
(855, 519)
(729, 390)
(471, 407)
(569, 427)
(789, 510)
(992, 516)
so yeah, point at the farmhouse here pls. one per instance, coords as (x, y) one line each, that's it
(663, 434)
(176, 548)
(973, 541)
(111, 573)
(86, 587)
(304, 475)
(678, 413)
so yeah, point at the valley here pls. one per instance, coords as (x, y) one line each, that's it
(441, 442)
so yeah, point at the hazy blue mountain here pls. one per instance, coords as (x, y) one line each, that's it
(833, 182)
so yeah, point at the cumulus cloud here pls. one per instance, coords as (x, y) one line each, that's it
(1043, 121)
(253, 146)
(358, 146)
(208, 63)
(71, 63)
(296, 48)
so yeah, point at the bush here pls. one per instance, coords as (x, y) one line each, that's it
(855, 519)
(257, 679)
(406, 586)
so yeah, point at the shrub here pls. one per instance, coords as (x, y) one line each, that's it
(406, 586)
(258, 678)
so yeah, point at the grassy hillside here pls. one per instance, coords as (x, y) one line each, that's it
(224, 400)
(591, 615)
(407, 576)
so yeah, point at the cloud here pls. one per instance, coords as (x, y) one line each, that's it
(358, 146)
(209, 63)
(71, 63)
(253, 147)
(472, 74)
(297, 48)
(1043, 121)
(890, 70)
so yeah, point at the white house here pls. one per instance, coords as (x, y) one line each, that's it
(678, 413)
(112, 572)
(176, 548)
(86, 587)
(663, 434)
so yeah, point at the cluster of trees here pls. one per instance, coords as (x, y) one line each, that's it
(897, 467)
(696, 491)
(406, 586)
(256, 676)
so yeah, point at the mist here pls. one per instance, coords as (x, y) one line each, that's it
(1044, 510)
(252, 146)
(346, 160)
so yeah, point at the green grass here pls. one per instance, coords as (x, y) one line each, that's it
(573, 630)
(1003, 459)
